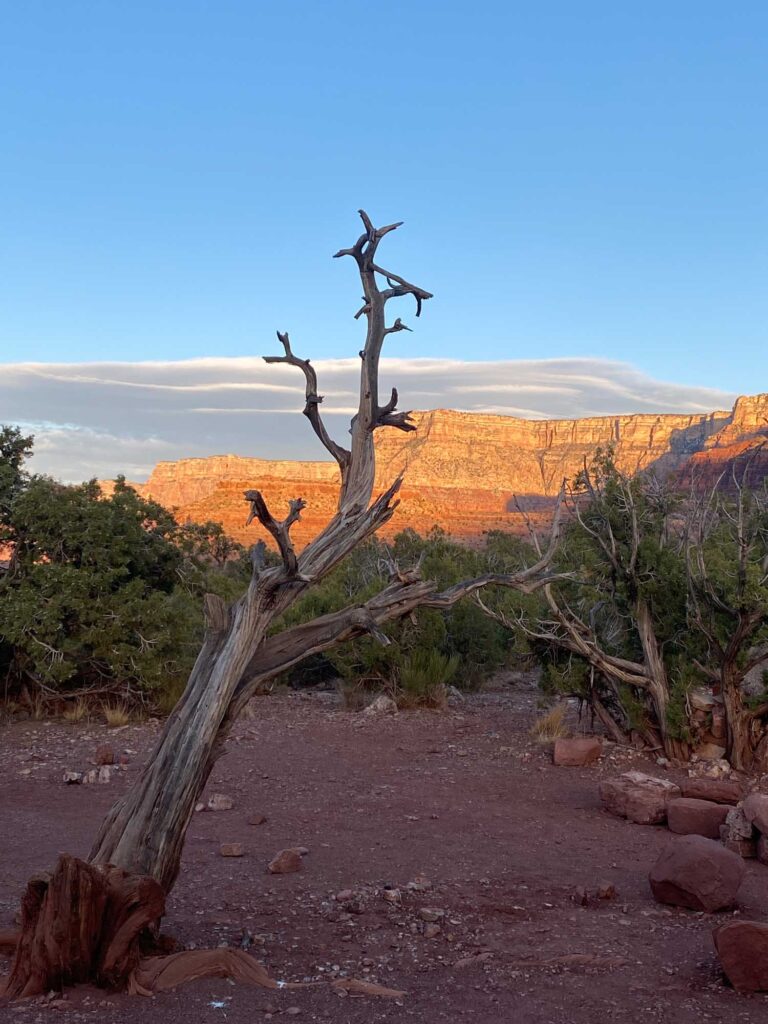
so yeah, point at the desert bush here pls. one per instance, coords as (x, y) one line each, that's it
(424, 676)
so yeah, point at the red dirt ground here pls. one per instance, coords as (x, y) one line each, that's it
(465, 798)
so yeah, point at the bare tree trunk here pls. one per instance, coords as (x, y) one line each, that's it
(738, 720)
(144, 832)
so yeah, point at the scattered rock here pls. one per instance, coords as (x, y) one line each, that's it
(199, 807)
(755, 809)
(431, 914)
(431, 931)
(72, 778)
(257, 819)
(687, 816)
(470, 961)
(720, 791)
(231, 850)
(97, 775)
(607, 891)
(285, 862)
(419, 884)
(742, 947)
(105, 754)
(105, 774)
(381, 705)
(640, 798)
(697, 873)
(391, 894)
(574, 753)
(701, 700)
(454, 696)
(220, 802)
(708, 769)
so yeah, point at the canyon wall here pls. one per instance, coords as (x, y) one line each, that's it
(465, 471)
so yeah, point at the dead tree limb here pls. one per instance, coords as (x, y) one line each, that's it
(143, 833)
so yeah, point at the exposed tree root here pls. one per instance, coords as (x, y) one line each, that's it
(81, 924)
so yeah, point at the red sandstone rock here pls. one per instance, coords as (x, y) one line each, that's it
(742, 947)
(285, 862)
(641, 798)
(720, 791)
(577, 752)
(231, 850)
(105, 754)
(697, 873)
(696, 817)
(466, 488)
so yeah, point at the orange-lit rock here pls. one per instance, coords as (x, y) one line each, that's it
(464, 471)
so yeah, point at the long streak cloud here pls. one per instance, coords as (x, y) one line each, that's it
(101, 419)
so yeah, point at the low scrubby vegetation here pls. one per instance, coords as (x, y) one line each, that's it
(659, 597)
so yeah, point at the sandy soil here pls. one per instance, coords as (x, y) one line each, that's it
(464, 799)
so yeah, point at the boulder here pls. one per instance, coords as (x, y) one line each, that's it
(285, 862)
(686, 816)
(742, 947)
(697, 873)
(574, 753)
(640, 798)
(720, 791)
(755, 809)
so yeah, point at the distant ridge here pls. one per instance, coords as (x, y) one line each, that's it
(463, 470)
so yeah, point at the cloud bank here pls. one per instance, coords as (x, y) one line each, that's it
(101, 419)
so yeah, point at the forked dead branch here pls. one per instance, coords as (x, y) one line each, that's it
(143, 834)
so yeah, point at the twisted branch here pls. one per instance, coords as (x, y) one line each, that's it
(280, 530)
(313, 400)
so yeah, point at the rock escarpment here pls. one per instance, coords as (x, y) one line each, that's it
(465, 471)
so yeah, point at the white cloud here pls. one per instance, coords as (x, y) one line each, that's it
(100, 419)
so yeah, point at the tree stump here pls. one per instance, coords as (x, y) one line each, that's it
(81, 924)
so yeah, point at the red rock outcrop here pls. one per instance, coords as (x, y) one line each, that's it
(464, 471)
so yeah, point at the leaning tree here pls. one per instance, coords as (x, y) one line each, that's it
(85, 920)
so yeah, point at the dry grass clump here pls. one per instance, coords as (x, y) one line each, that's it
(77, 711)
(551, 725)
(116, 714)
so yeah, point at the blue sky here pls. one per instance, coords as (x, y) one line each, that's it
(578, 180)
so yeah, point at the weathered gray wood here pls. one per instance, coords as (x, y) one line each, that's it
(144, 832)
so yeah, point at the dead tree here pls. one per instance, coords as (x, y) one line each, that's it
(615, 516)
(143, 834)
(727, 561)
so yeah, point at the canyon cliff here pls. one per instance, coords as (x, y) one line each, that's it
(465, 471)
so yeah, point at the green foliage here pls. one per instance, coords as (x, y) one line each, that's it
(102, 592)
(424, 675)
(15, 449)
(462, 639)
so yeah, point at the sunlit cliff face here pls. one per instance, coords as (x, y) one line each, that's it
(464, 471)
